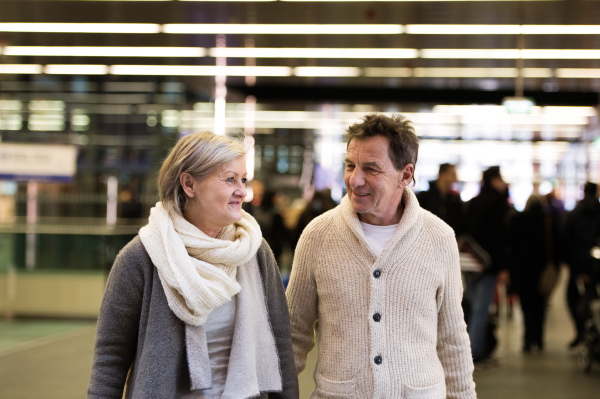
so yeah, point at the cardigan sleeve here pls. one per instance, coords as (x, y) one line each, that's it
(302, 297)
(117, 329)
(453, 348)
(280, 323)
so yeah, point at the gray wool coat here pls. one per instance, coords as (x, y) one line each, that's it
(141, 341)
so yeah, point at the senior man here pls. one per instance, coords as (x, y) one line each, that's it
(380, 277)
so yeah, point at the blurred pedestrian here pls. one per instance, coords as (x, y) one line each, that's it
(269, 218)
(532, 235)
(485, 223)
(441, 200)
(320, 203)
(582, 230)
(194, 306)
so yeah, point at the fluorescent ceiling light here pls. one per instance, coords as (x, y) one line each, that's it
(463, 29)
(101, 51)
(18, 69)
(537, 72)
(229, 0)
(470, 53)
(327, 71)
(72, 69)
(297, 29)
(577, 73)
(561, 54)
(79, 28)
(388, 72)
(257, 52)
(198, 70)
(561, 29)
(466, 72)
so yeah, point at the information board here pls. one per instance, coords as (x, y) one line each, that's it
(40, 162)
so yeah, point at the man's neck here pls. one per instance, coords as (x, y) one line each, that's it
(386, 220)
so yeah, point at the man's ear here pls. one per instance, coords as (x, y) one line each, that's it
(189, 184)
(406, 175)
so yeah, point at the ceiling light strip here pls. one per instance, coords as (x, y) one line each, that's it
(51, 27)
(258, 52)
(20, 69)
(301, 29)
(266, 52)
(198, 70)
(104, 51)
(282, 71)
(278, 29)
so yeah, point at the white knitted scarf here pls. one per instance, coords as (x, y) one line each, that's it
(197, 272)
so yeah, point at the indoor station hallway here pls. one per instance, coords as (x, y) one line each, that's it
(52, 360)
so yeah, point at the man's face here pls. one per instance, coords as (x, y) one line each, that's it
(374, 186)
(449, 176)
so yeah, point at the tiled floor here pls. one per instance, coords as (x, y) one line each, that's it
(51, 360)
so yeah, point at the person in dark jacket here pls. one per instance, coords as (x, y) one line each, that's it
(271, 224)
(441, 200)
(532, 236)
(580, 235)
(485, 223)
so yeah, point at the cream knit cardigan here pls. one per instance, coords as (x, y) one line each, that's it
(421, 337)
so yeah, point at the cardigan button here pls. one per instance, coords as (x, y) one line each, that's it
(378, 360)
(376, 273)
(377, 317)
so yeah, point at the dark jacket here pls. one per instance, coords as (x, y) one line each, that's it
(582, 229)
(532, 239)
(486, 222)
(447, 207)
(139, 335)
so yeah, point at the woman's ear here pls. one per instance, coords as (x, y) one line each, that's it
(189, 184)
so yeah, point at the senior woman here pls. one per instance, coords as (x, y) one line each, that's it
(194, 306)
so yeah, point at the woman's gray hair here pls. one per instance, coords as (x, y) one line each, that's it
(197, 154)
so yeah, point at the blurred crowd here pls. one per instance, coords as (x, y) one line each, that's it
(500, 248)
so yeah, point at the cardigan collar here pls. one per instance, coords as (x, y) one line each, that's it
(411, 220)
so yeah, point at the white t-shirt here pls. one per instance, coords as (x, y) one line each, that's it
(378, 237)
(219, 336)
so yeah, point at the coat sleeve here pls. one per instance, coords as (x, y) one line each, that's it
(302, 298)
(453, 348)
(280, 323)
(117, 330)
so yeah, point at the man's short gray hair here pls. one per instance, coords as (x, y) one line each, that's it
(197, 154)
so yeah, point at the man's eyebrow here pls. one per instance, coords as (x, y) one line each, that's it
(372, 165)
(348, 160)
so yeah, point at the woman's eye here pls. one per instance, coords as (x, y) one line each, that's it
(231, 179)
(244, 181)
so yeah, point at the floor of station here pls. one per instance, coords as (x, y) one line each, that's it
(52, 360)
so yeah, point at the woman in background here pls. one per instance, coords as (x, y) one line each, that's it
(194, 306)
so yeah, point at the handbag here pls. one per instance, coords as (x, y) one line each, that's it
(550, 273)
(474, 260)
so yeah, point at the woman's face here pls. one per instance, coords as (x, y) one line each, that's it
(216, 202)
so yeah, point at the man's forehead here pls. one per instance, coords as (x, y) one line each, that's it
(372, 151)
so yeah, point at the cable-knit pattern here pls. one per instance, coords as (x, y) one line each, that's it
(198, 272)
(421, 336)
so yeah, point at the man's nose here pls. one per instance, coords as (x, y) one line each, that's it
(356, 178)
